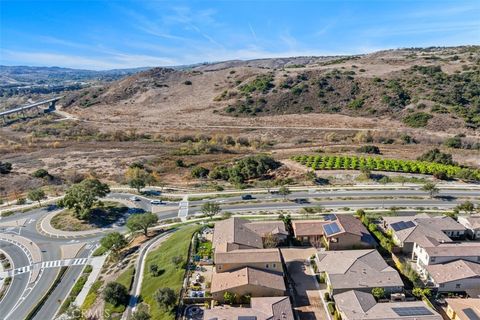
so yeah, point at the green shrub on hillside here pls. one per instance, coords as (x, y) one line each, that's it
(417, 119)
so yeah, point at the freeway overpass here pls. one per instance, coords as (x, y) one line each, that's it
(29, 107)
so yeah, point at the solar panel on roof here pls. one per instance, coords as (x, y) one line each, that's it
(401, 225)
(410, 224)
(412, 311)
(331, 228)
(471, 314)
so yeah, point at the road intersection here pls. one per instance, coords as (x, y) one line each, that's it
(33, 225)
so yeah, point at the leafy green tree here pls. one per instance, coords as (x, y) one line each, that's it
(141, 313)
(40, 173)
(427, 292)
(115, 293)
(165, 298)
(210, 209)
(5, 167)
(229, 297)
(270, 241)
(36, 195)
(378, 293)
(177, 261)
(199, 172)
(284, 192)
(154, 270)
(435, 155)
(453, 142)
(137, 183)
(141, 222)
(431, 188)
(114, 241)
(138, 177)
(369, 149)
(421, 292)
(81, 197)
(466, 206)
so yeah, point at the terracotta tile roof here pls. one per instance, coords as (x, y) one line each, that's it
(465, 308)
(268, 308)
(471, 222)
(263, 228)
(246, 276)
(456, 270)
(349, 269)
(235, 231)
(357, 305)
(308, 227)
(457, 249)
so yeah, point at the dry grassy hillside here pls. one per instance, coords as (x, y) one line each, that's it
(436, 88)
(404, 101)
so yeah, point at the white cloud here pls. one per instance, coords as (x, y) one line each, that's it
(116, 61)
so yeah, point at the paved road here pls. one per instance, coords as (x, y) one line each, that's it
(19, 283)
(263, 201)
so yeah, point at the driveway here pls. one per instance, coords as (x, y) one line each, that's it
(307, 302)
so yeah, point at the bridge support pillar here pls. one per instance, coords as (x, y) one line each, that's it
(51, 106)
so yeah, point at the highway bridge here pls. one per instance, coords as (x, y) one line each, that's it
(30, 107)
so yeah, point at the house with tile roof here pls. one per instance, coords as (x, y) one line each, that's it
(247, 281)
(472, 224)
(309, 232)
(359, 305)
(458, 275)
(346, 232)
(263, 259)
(262, 308)
(408, 230)
(433, 252)
(463, 309)
(357, 270)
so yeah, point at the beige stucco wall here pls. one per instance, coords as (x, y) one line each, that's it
(252, 290)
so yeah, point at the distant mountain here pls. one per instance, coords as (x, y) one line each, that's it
(16, 75)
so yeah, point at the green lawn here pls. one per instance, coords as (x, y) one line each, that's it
(126, 279)
(171, 277)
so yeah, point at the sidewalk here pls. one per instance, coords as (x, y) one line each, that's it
(96, 264)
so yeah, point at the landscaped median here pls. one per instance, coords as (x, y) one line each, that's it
(169, 275)
(76, 289)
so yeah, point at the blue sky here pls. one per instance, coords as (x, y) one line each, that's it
(124, 34)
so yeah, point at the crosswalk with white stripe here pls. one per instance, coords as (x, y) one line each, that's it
(46, 264)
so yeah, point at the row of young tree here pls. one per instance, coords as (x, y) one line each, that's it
(441, 171)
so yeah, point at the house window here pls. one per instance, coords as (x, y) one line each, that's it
(266, 266)
(219, 266)
(274, 265)
(457, 286)
(432, 259)
(442, 285)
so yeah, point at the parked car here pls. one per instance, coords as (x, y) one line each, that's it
(134, 198)
(247, 197)
(156, 202)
